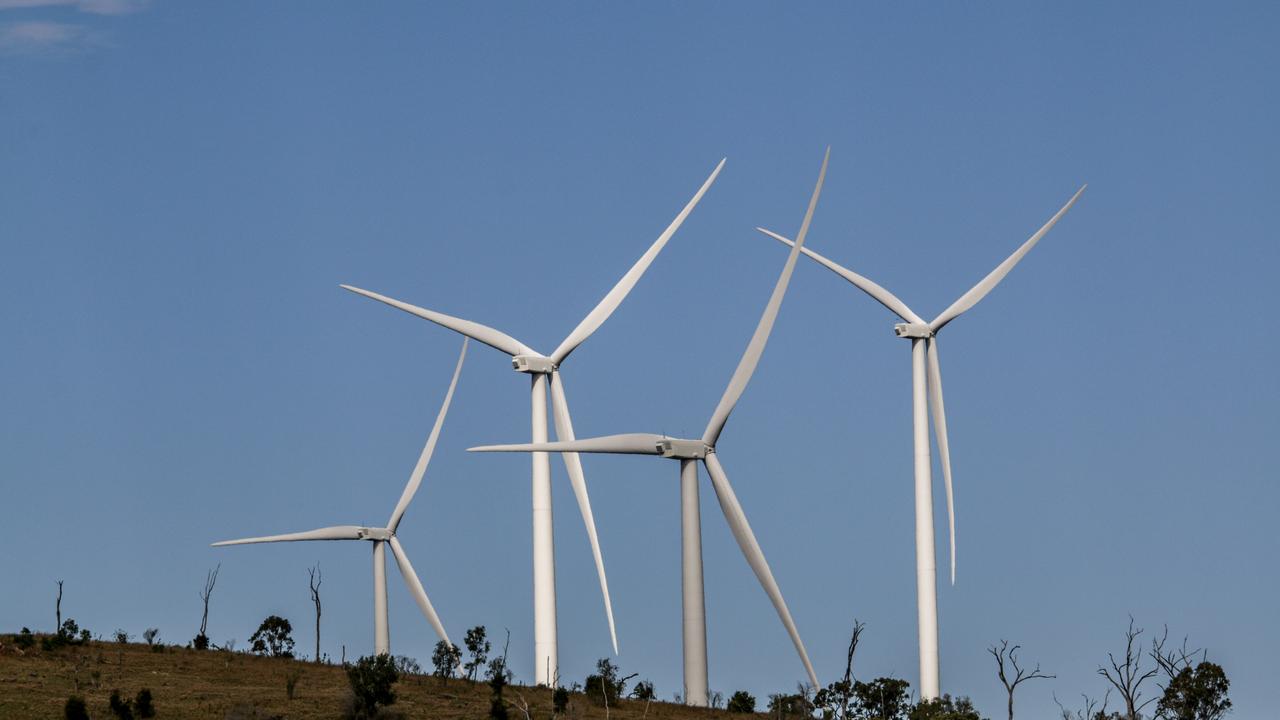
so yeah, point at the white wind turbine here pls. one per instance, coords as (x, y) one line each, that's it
(688, 452)
(924, 351)
(541, 367)
(383, 536)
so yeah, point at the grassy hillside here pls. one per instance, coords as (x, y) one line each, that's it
(35, 683)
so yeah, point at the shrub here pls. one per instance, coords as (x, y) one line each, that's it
(121, 636)
(603, 687)
(643, 691)
(24, 639)
(560, 700)
(75, 709)
(273, 637)
(142, 704)
(121, 708)
(151, 635)
(291, 678)
(371, 679)
(742, 702)
(200, 642)
(944, 708)
(406, 665)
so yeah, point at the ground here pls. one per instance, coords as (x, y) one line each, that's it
(187, 683)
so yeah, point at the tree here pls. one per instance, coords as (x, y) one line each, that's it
(120, 707)
(498, 676)
(446, 658)
(371, 678)
(882, 699)
(798, 705)
(1127, 675)
(273, 637)
(604, 687)
(944, 708)
(643, 691)
(142, 704)
(201, 641)
(478, 648)
(150, 635)
(1198, 693)
(57, 608)
(741, 702)
(1005, 654)
(314, 584)
(1090, 711)
(836, 699)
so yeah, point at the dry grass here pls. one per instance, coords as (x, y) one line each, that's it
(222, 685)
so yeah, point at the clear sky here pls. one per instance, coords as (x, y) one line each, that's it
(183, 187)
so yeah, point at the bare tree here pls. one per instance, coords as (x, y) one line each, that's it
(1091, 710)
(1174, 660)
(838, 696)
(210, 579)
(1127, 675)
(1005, 654)
(314, 583)
(58, 609)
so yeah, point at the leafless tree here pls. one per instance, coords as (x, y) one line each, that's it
(1127, 675)
(1009, 655)
(314, 583)
(1091, 710)
(210, 580)
(1174, 660)
(58, 609)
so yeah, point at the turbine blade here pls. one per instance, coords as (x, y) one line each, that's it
(474, 330)
(944, 452)
(573, 465)
(415, 479)
(755, 348)
(988, 283)
(626, 444)
(741, 529)
(415, 589)
(877, 293)
(337, 532)
(614, 298)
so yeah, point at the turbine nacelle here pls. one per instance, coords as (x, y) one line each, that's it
(913, 330)
(683, 449)
(533, 364)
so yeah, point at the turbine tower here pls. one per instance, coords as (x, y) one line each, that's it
(926, 395)
(383, 536)
(544, 370)
(689, 452)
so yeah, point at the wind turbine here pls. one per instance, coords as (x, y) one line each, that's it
(926, 395)
(383, 536)
(689, 452)
(540, 367)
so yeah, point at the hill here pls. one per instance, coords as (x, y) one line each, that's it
(185, 683)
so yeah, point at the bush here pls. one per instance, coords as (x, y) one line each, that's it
(560, 700)
(75, 709)
(142, 704)
(273, 637)
(151, 635)
(604, 687)
(200, 642)
(371, 679)
(291, 678)
(24, 639)
(121, 636)
(944, 708)
(445, 659)
(121, 708)
(406, 665)
(742, 702)
(643, 691)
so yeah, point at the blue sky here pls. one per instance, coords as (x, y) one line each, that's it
(184, 186)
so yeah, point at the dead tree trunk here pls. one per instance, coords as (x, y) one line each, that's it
(1005, 654)
(210, 580)
(57, 608)
(1127, 675)
(314, 584)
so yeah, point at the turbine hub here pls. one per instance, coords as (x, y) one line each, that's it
(912, 330)
(375, 534)
(533, 364)
(683, 449)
